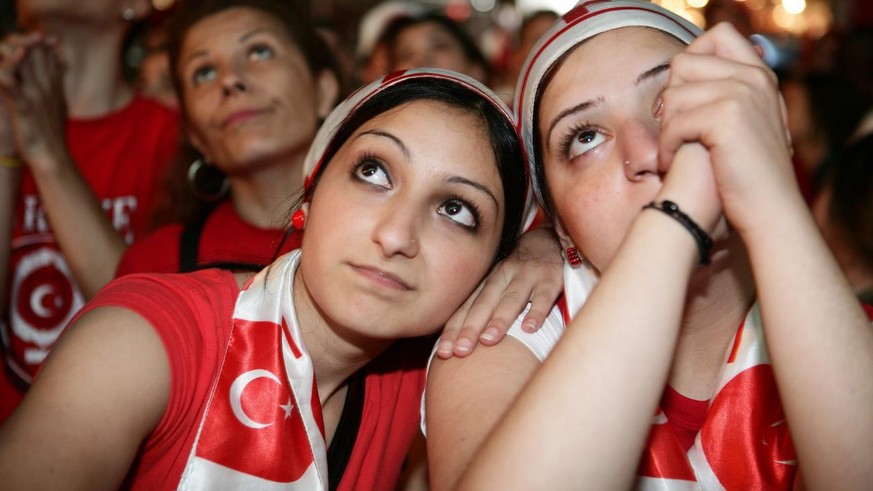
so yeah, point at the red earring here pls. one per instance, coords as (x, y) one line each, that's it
(298, 220)
(573, 257)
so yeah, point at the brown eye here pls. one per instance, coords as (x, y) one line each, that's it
(372, 172)
(581, 140)
(460, 212)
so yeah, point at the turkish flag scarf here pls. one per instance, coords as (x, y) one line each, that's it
(744, 443)
(262, 428)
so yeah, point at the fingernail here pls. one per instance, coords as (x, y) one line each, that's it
(463, 345)
(445, 348)
(529, 326)
(490, 334)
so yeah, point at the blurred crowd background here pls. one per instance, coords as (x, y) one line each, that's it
(804, 35)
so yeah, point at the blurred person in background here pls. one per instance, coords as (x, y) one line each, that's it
(153, 77)
(824, 111)
(82, 152)
(371, 52)
(433, 40)
(734, 12)
(249, 114)
(843, 210)
(532, 27)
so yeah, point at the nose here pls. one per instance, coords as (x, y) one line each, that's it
(639, 150)
(233, 82)
(396, 231)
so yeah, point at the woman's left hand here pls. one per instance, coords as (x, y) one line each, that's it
(722, 95)
(31, 78)
(532, 273)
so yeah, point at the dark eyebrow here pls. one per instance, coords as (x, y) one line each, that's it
(480, 187)
(391, 137)
(577, 108)
(652, 72)
(450, 179)
(646, 75)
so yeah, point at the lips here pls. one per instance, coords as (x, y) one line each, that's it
(382, 277)
(240, 117)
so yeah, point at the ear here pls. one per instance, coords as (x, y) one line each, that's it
(327, 85)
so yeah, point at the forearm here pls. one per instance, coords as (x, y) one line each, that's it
(590, 406)
(90, 244)
(821, 346)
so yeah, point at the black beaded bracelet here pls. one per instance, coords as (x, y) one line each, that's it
(704, 242)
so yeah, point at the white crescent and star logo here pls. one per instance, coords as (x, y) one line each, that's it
(236, 390)
(38, 300)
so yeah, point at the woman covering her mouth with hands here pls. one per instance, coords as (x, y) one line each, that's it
(721, 347)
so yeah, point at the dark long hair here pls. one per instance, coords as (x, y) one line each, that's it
(505, 142)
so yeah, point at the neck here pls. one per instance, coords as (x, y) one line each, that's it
(719, 298)
(93, 82)
(264, 197)
(337, 352)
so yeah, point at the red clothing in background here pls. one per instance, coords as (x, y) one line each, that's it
(121, 156)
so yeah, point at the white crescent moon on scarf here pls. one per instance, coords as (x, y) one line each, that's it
(36, 298)
(236, 390)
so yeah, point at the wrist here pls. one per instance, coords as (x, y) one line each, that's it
(49, 165)
(701, 238)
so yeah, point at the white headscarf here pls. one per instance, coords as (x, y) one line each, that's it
(587, 19)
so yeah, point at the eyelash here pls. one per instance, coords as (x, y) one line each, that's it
(474, 210)
(368, 157)
(571, 135)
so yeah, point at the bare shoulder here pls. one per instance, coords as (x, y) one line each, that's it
(465, 399)
(104, 387)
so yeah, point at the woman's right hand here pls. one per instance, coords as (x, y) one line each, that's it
(722, 95)
(532, 273)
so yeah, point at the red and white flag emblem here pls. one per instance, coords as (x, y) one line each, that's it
(263, 427)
